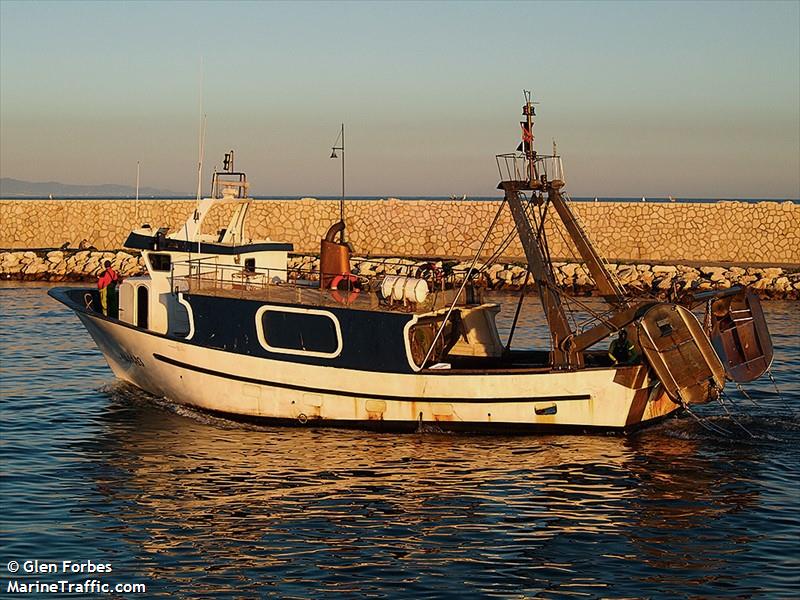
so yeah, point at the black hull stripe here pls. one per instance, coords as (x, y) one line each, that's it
(433, 427)
(148, 242)
(301, 388)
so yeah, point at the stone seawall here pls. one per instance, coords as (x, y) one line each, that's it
(664, 281)
(740, 233)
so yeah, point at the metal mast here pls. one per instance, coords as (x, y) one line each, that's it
(543, 177)
(334, 148)
(515, 183)
(539, 267)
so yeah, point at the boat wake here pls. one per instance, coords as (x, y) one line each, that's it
(124, 393)
(737, 428)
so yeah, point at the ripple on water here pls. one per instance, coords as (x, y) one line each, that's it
(201, 506)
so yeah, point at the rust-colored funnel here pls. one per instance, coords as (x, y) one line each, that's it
(334, 257)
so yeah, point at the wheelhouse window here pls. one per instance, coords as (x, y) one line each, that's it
(160, 262)
(299, 331)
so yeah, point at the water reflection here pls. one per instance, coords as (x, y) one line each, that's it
(361, 511)
(200, 507)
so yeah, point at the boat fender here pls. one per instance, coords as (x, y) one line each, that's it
(345, 283)
(407, 289)
(302, 418)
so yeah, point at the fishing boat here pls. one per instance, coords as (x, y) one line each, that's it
(222, 323)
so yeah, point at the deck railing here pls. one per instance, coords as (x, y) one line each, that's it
(359, 289)
(517, 166)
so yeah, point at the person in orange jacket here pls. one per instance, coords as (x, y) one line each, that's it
(107, 284)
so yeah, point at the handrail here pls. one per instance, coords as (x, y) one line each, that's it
(515, 166)
(299, 284)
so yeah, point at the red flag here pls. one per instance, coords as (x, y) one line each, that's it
(527, 134)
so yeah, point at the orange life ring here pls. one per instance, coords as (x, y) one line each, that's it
(353, 293)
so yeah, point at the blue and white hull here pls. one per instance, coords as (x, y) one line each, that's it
(245, 383)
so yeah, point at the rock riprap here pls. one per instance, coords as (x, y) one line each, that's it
(59, 265)
(661, 280)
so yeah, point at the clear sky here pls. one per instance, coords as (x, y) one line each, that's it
(690, 99)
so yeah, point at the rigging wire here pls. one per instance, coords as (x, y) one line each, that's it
(745, 394)
(786, 405)
(519, 309)
(463, 284)
(596, 316)
(579, 221)
(541, 240)
(496, 254)
(721, 400)
(542, 235)
(568, 299)
(713, 428)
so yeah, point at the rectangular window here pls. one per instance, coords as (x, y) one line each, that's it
(299, 331)
(250, 265)
(160, 262)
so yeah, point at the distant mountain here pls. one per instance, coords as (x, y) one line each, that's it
(16, 188)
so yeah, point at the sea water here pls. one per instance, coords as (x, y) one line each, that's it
(99, 473)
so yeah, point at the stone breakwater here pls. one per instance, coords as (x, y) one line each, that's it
(58, 265)
(664, 281)
(742, 233)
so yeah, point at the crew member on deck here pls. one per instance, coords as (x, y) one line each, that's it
(622, 351)
(109, 296)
